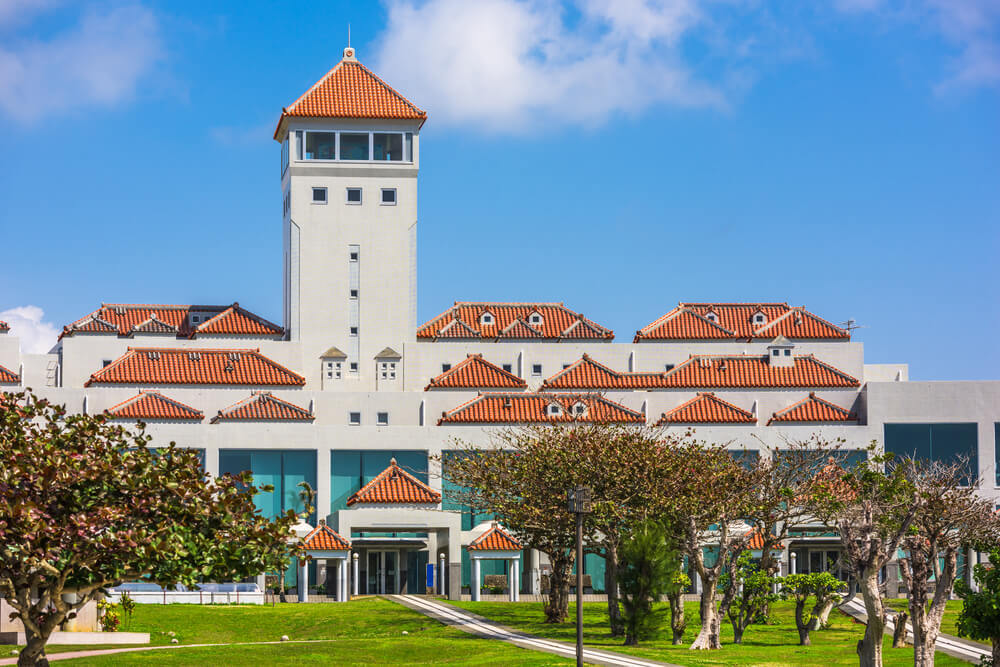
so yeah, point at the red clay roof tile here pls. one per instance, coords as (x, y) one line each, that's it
(263, 406)
(512, 321)
(395, 485)
(324, 538)
(476, 373)
(164, 366)
(812, 409)
(154, 405)
(351, 90)
(707, 409)
(495, 539)
(705, 371)
(126, 319)
(8, 376)
(510, 408)
(692, 321)
(757, 542)
(4, 327)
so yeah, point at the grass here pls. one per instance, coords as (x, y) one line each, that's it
(770, 645)
(949, 623)
(365, 631)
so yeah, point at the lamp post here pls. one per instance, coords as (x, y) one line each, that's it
(579, 504)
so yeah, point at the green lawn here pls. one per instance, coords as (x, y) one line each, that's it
(951, 610)
(770, 645)
(366, 631)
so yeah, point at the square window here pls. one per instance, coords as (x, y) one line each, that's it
(319, 195)
(668, 367)
(354, 418)
(354, 294)
(354, 331)
(354, 196)
(536, 370)
(788, 353)
(445, 368)
(565, 366)
(354, 146)
(105, 362)
(354, 255)
(777, 352)
(354, 367)
(321, 145)
(579, 409)
(508, 367)
(388, 196)
(382, 418)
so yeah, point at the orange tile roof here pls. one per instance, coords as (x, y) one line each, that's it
(263, 406)
(691, 321)
(495, 539)
(514, 408)
(757, 542)
(8, 376)
(324, 538)
(395, 485)
(126, 319)
(812, 409)
(351, 90)
(154, 405)
(707, 409)
(4, 327)
(161, 366)
(708, 371)
(512, 321)
(476, 373)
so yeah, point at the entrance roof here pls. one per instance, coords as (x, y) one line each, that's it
(324, 538)
(495, 539)
(395, 485)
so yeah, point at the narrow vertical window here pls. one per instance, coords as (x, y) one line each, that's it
(298, 144)
(409, 147)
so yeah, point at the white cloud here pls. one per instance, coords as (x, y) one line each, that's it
(27, 323)
(98, 62)
(509, 64)
(14, 12)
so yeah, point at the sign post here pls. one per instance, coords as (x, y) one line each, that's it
(579, 504)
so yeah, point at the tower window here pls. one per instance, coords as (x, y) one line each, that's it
(354, 367)
(354, 146)
(788, 353)
(354, 418)
(354, 331)
(354, 255)
(388, 146)
(445, 368)
(354, 294)
(388, 196)
(776, 352)
(536, 370)
(321, 145)
(333, 370)
(354, 196)
(319, 195)
(382, 418)
(508, 367)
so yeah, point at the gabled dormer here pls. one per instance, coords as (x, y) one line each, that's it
(712, 316)
(758, 318)
(779, 353)
(535, 319)
(487, 319)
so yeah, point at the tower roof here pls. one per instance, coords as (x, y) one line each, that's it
(350, 90)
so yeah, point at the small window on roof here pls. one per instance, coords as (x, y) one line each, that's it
(776, 352)
(759, 318)
(536, 370)
(555, 409)
(788, 353)
(535, 318)
(445, 368)
(579, 408)
(508, 367)
(711, 317)
(486, 318)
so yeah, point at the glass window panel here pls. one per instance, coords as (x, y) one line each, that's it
(345, 477)
(354, 146)
(816, 561)
(298, 144)
(409, 147)
(266, 467)
(908, 440)
(321, 145)
(297, 467)
(388, 146)
(949, 442)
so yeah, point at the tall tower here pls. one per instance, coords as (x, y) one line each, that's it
(349, 162)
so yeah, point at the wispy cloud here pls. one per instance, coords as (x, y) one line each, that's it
(504, 64)
(231, 135)
(98, 62)
(28, 324)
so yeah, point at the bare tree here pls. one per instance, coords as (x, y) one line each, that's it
(871, 506)
(948, 514)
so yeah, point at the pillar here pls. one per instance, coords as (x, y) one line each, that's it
(970, 562)
(303, 584)
(356, 573)
(513, 580)
(441, 573)
(793, 563)
(475, 579)
(534, 575)
(343, 565)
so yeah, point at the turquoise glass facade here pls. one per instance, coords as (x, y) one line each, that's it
(935, 442)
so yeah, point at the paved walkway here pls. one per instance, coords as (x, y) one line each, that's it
(956, 647)
(482, 627)
(69, 655)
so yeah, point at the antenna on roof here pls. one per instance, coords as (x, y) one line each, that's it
(851, 324)
(348, 35)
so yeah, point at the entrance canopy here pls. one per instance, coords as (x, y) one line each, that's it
(496, 544)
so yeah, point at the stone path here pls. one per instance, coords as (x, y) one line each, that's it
(482, 627)
(956, 647)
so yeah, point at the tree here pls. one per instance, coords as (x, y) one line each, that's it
(646, 568)
(754, 594)
(980, 615)
(948, 514)
(677, 584)
(709, 502)
(871, 508)
(85, 504)
(823, 587)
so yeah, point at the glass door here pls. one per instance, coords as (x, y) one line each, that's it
(383, 573)
(374, 572)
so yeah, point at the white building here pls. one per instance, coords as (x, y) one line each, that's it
(349, 388)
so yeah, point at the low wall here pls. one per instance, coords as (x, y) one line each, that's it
(85, 621)
(191, 597)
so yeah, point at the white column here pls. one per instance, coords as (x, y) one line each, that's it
(793, 566)
(343, 567)
(303, 584)
(511, 579)
(356, 573)
(442, 573)
(534, 573)
(517, 580)
(475, 579)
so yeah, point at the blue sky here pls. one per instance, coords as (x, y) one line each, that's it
(617, 156)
